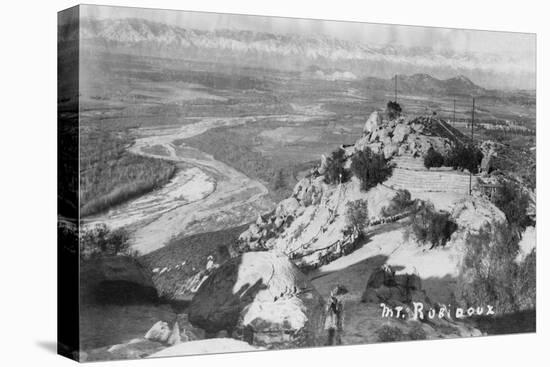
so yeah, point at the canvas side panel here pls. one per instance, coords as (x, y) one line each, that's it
(67, 183)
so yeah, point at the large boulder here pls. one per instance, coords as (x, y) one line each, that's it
(116, 279)
(372, 122)
(261, 297)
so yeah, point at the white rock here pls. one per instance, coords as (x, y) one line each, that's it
(160, 332)
(372, 122)
(323, 167)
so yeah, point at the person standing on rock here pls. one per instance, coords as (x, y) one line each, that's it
(334, 322)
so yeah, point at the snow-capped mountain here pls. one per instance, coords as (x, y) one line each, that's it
(298, 52)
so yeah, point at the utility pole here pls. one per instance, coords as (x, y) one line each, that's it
(395, 88)
(473, 117)
(454, 112)
(473, 112)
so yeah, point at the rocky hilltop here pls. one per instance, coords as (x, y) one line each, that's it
(311, 227)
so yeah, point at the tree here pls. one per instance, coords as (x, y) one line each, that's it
(357, 215)
(280, 181)
(400, 202)
(335, 172)
(488, 272)
(433, 158)
(393, 110)
(431, 226)
(525, 285)
(101, 241)
(514, 202)
(370, 168)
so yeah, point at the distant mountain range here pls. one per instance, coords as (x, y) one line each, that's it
(424, 83)
(298, 53)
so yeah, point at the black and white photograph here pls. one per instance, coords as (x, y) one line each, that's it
(233, 183)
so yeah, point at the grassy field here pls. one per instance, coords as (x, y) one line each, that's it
(109, 175)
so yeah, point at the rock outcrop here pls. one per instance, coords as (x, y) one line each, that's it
(262, 298)
(372, 122)
(401, 136)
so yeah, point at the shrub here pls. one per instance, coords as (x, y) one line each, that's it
(514, 202)
(464, 157)
(488, 271)
(101, 241)
(371, 168)
(525, 283)
(431, 226)
(393, 110)
(433, 158)
(417, 333)
(336, 172)
(400, 202)
(357, 215)
(390, 334)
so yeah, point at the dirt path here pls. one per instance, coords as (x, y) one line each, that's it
(388, 245)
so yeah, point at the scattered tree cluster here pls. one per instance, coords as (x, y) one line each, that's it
(464, 157)
(460, 157)
(371, 168)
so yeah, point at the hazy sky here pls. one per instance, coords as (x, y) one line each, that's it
(459, 40)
